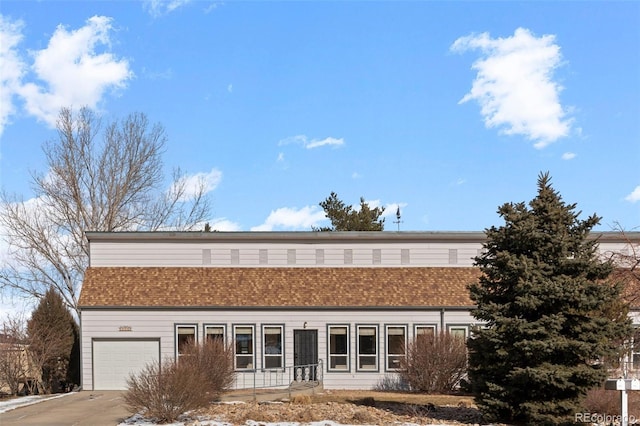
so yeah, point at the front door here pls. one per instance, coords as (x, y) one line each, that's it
(305, 351)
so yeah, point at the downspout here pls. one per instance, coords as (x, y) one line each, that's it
(442, 320)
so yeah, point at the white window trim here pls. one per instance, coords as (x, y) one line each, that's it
(377, 347)
(386, 345)
(330, 355)
(253, 347)
(264, 349)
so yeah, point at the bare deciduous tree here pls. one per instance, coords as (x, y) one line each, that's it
(15, 365)
(98, 179)
(627, 262)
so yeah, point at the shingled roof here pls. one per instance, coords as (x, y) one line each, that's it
(277, 287)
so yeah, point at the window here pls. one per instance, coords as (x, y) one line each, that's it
(213, 333)
(338, 348)
(635, 352)
(272, 341)
(396, 346)
(185, 335)
(458, 331)
(425, 331)
(244, 347)
(367, 348)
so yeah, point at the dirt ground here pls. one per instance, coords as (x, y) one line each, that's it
(355, 407)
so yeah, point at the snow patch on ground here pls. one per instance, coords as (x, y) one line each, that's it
(23, 401)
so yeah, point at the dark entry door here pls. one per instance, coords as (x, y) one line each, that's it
(305, 351)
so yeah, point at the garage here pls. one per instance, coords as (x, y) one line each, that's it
(115, 360)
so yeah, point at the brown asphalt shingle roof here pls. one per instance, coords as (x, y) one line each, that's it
(276, 287)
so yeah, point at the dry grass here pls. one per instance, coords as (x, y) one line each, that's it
(355, 407)
(360, 396)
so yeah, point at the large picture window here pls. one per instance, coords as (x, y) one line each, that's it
(396, 346)
(338, 348)
(272, 343)
(185, 335)
(367, 348)
(244, 347)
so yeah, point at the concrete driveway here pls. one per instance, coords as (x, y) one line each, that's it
(99, 408)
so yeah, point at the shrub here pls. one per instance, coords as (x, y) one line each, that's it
(163, 392)
(215, 361)
(435, 364)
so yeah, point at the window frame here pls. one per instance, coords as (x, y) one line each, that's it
(264, 348)
(208, 326)
(387, 355)
(635, 348)
(376, 355)
(348, 348)
(465, 327)
(252, 353)
(176, 339)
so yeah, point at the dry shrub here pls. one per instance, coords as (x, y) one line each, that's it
(603, 401)
(308, 415)
(364, 416)
(435, 364)
(301, 399)
(215, 361)
(164, 392)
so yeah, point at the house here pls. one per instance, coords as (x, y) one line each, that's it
(348, 301)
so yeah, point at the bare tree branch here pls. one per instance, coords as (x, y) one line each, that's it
(98, 179)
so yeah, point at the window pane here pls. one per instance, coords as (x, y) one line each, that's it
(425, 331)
(367, 342)
(396, 340)
(244, 342)
(244, 361)
(272, 340)
(338, 341)
(460, 332)
(186, 336)
(367, 348)
(367, 362)
(214, 333)
(272, 361)
(338, 362)
(395, 362)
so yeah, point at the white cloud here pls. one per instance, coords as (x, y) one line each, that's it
(313, 143)
(72, 72)
(224, 225)
(12, 67)
(326, 141)
(634, 196)
(514, 85)
(207, 181)
(568, 155)
(356, 175)
(230, 88)
(291, 219)
(158, 8)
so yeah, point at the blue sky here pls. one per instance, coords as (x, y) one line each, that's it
(446, 109)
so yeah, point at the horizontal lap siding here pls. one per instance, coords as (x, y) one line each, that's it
(160, 325)
(193, 254)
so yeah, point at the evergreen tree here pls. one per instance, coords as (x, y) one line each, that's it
(345, 218)
(546, 303)
(53, 342)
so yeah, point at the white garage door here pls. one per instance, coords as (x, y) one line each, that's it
(115, 360)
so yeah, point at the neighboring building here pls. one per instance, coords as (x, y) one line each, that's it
(349, 299)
